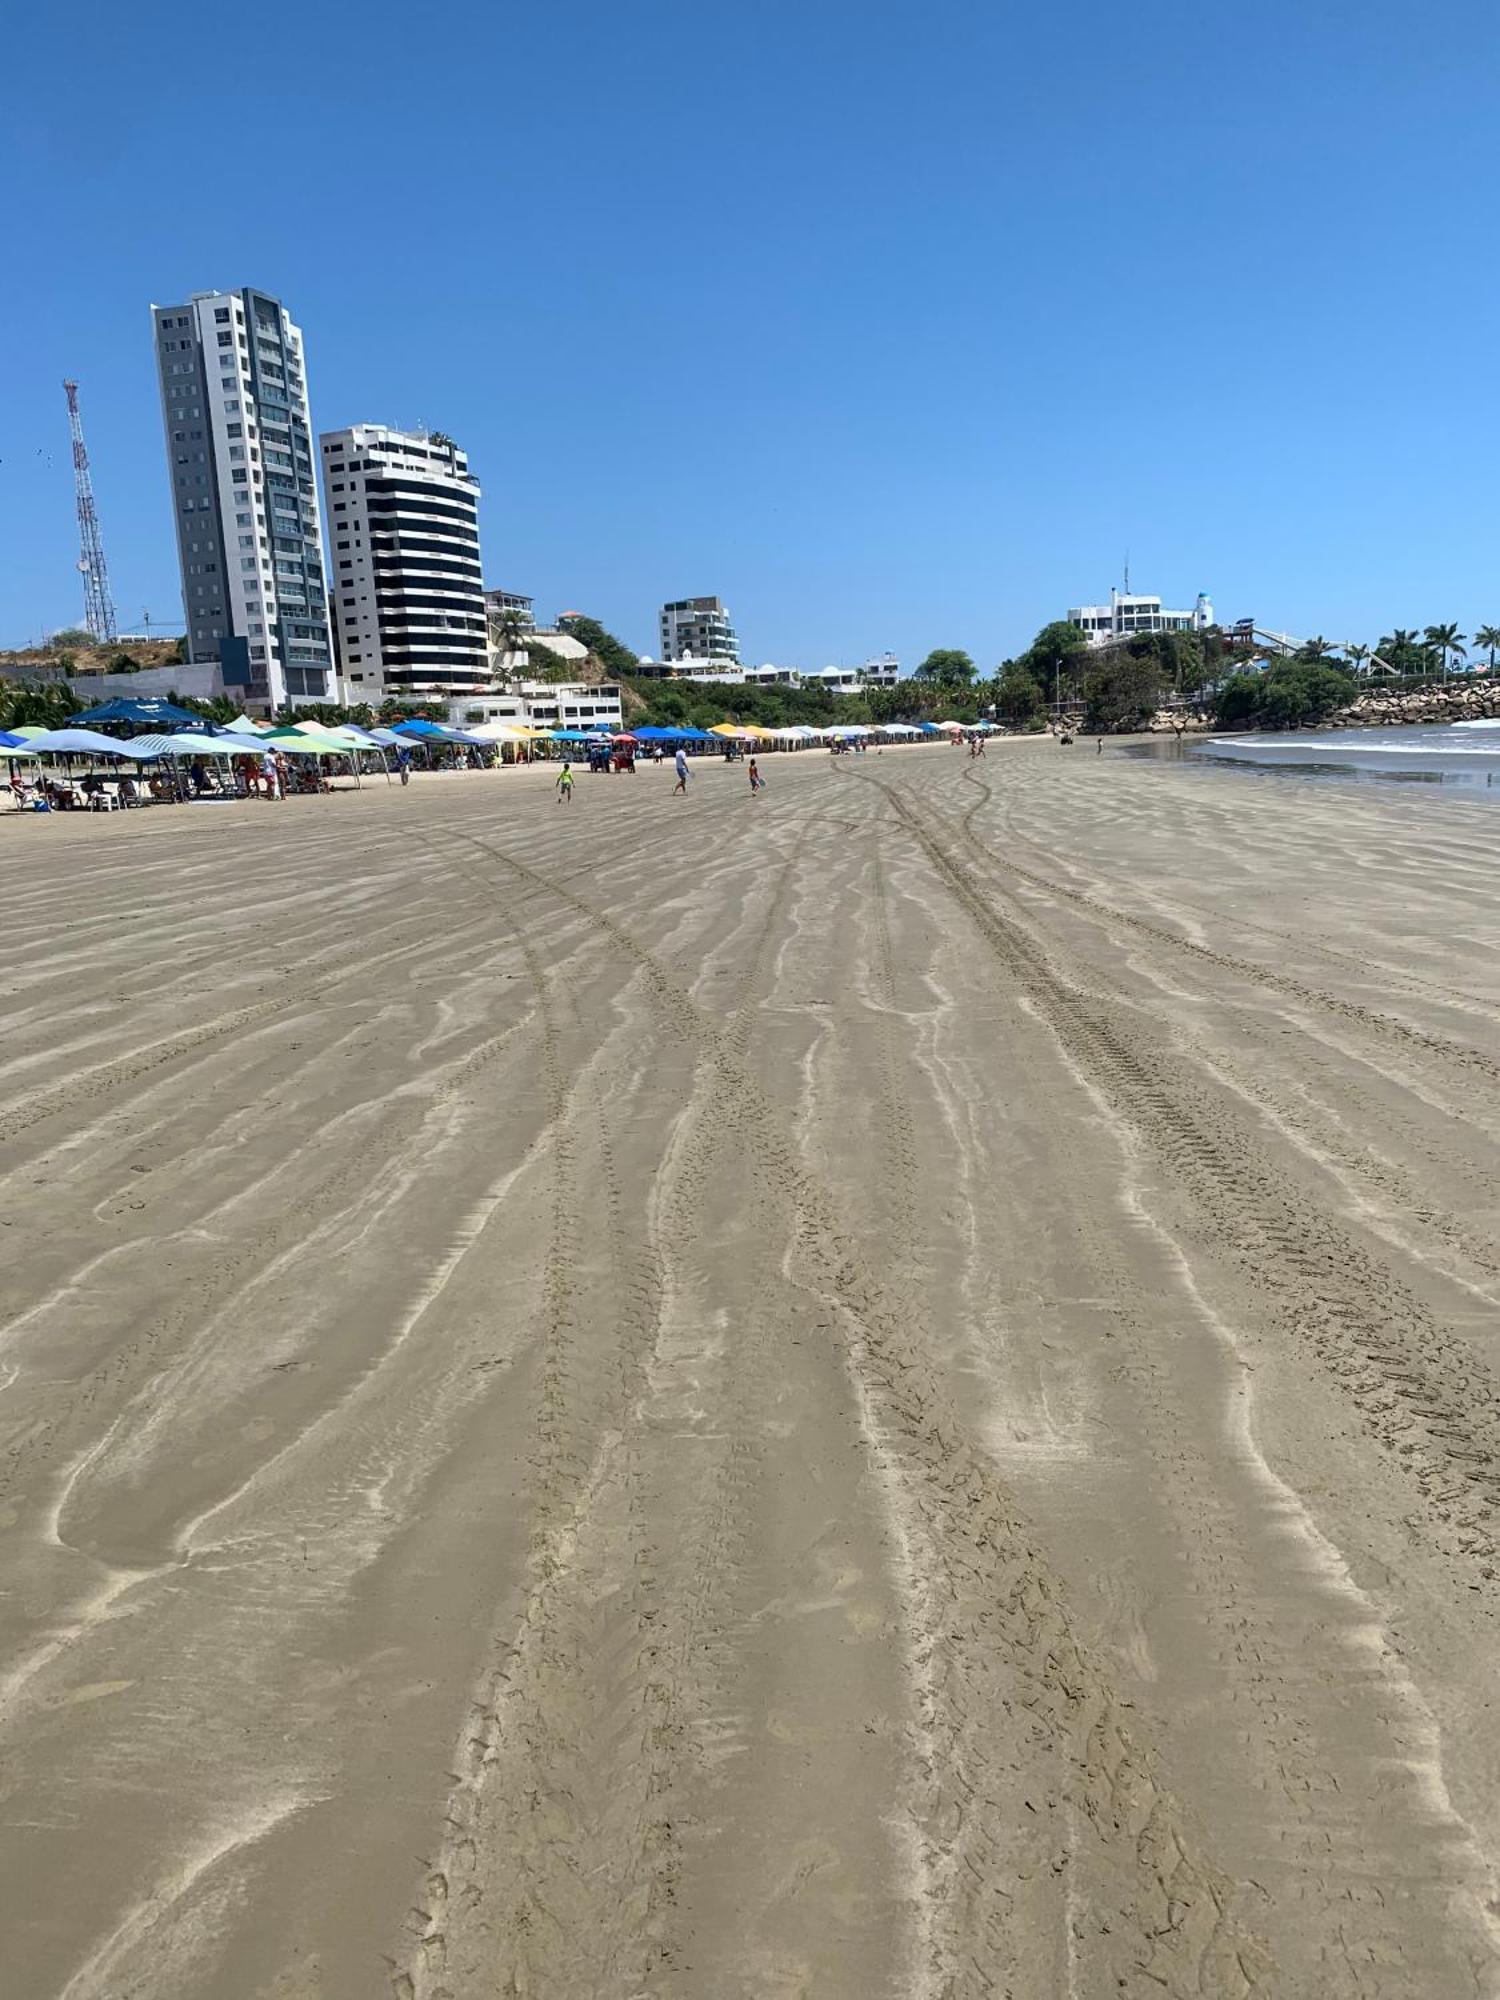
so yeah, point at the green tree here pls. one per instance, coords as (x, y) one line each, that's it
(1444, 640)
(1123, 689)
(46, 705)
(1237, 700)
(1017, 696)
(1402, 652)
(612, 654)
(1488, 636)
(1291, 694)
(542, 664)
(1356, 656)
(1056, 656)
(70, 636)
(948, 667)
(1314, 650)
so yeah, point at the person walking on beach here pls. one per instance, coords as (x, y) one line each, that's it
(403, 765)
(755, 778)
(680, 766)
(565, 784)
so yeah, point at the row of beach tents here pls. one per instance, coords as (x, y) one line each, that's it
(179, 734)
(176, 733)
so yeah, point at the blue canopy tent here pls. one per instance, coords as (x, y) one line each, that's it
(420, 731)
(150, 708)
(931, 729)
(654, 734)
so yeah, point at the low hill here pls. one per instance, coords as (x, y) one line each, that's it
(76, 662)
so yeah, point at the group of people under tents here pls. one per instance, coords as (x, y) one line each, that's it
(179, 756)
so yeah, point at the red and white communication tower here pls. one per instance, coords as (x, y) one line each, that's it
(98, 609)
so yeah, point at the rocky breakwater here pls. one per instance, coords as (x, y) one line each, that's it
(1460, 701)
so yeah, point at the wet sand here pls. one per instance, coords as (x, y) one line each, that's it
(886, 1390)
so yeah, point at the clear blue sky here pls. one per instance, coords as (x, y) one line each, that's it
(894, 325)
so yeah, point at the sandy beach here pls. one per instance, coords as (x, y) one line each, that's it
(890, 1389)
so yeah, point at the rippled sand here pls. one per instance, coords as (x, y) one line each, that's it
(890, 1389)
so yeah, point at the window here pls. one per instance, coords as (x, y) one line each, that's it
(221, 313)
(242, 520)
(226, 340)
(234, 430)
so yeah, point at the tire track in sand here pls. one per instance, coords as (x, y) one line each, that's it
(1419, 1390)
(991, 1629)
(560, 1860)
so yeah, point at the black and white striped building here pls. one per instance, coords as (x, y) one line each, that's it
(405, 583)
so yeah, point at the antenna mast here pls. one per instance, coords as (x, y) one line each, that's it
(98, 609)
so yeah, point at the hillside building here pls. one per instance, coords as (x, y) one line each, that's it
(1125, 616)
(698, 628)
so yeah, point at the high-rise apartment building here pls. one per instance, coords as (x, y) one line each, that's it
(697, 628)
(407, 590)
(244, 493)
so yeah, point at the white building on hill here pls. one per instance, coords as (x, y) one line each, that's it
(545, 705)
(1125, 616)
(698, 628)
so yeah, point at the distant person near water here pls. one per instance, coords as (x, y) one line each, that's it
(680, 766)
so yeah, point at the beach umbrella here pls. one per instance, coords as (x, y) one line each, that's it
(79, 743)
(300, 743)
(148, 708)
(624, 736)
(190, 743)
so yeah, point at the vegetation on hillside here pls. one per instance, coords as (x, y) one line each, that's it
(946, 666)
(1289, 694)
(1122, 689)
(613, 655)
(1018, 697)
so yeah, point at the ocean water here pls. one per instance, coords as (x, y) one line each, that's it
(1464, 754)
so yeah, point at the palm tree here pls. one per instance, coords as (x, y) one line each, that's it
(1445, 639)
(1488, 636)
(1315, 649)
(1356, 656)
